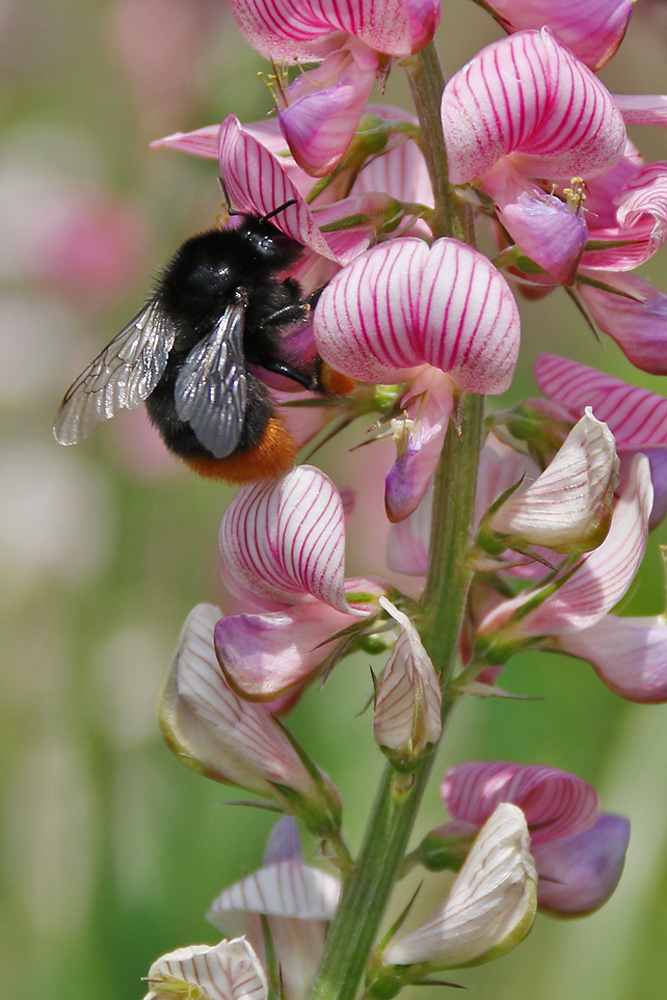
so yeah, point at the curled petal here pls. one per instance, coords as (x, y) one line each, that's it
(601, 579)
(529, 96)
(226, 971)
(579, 874)
(235, 742)
(628, 654)
(408, 703)
(403, 304)
(592, 29)
(490, 907)
(556, 804)
(642, 109)
(265, 655)
(568, 507)
(283, 540)
(288, 32)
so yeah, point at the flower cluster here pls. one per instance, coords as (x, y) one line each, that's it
(567, 486)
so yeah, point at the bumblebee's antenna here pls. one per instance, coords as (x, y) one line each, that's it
(264, 218)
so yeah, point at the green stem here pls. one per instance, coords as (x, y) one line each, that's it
(354, 930)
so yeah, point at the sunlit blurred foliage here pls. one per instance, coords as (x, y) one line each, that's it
(111, 851)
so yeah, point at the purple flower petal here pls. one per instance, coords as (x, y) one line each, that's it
(578, 874)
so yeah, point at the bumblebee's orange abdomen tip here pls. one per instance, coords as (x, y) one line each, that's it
(273, 456)
(334, 382)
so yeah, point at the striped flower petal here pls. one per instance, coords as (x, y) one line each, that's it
(284, 540)
(263, 656)
(568, 507)
(636, 417)
(287, 32)
(285, 889)
(408, 702)
(628, 654)
(403, 303)
(592, 29)
(226, 971)
(556, 804)
(257, 182)
(529, 96)
(232, 741)
(490, 907)
(600, 580)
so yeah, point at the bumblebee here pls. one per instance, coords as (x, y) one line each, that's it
(218, 308)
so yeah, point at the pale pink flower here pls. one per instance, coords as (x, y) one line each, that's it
(233, 741)
(226, 971)
(487, 912)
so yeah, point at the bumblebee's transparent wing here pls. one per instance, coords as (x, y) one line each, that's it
(211, 389)
(121, 377)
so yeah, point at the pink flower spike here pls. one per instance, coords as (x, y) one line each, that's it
(402, 304)
(579, 874)
(265, 655)
(490, 907)
(226, 971)
(556, 804)
(304, 32)
(529, 96)
(283, 540)
(568, 507)
(592, 29)
(628, 654)
(408, 703)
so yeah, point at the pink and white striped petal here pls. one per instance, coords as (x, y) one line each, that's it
(289, 32)
(592, 29)
(579, 874)
(226, 971)
(568, 507)
(636, 417)
(408, 703)
(258, 183)
(529, 96)
(283, 541)
(490, 907)
(556, 804)
(265, 655)
(403, 304)
(628, 654)
(230, 740)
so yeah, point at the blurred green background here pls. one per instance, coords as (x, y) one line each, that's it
(111, 851)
